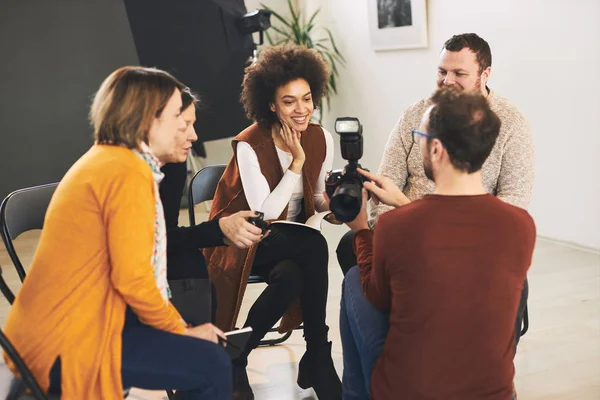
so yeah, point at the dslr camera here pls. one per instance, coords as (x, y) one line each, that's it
(259, 221)
(344, 187)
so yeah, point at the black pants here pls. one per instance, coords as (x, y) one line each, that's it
(293, 261)
(347, 260)
(157, 360)
(191, 265)
(345, 252)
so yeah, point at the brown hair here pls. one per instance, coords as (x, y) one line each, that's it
(277, 66)
(476, 44)
(466, 125)
(127, 102)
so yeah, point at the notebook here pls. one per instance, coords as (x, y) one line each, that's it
(315, 222)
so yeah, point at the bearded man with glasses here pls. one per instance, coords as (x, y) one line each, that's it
(428, 312)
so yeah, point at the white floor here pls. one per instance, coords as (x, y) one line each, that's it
(559, 358)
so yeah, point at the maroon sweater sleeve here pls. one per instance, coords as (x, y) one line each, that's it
(370, 253)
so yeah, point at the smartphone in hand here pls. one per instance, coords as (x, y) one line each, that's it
(235, 341)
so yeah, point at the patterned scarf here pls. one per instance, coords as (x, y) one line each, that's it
(159, 252)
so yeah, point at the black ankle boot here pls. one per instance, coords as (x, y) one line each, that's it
(241, 386)
(316, 370)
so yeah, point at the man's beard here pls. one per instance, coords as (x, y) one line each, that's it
(477, 88)
(427, 167)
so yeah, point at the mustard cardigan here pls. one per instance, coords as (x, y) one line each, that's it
(93, 259)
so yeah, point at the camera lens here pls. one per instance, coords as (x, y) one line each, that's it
(347, 202)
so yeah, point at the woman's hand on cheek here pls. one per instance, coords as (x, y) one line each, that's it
(292, 139)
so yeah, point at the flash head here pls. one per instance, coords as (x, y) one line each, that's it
(351, 140)
(349, 125)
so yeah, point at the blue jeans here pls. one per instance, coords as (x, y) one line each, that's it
(363, 329)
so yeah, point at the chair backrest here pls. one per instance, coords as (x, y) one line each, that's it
(203, 187)
(21, 211)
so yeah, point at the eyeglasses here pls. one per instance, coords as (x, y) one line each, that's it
(416, 134)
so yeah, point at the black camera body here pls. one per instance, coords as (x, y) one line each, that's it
(344, 187)
(259, 221)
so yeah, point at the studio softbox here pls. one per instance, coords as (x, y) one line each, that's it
(199, 43)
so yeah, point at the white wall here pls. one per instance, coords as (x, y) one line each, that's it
(546, 60)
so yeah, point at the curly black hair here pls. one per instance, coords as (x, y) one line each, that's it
(275, 67)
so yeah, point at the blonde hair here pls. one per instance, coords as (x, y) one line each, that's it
(127, 102)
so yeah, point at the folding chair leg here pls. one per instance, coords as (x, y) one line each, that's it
(273, 342)
(26, 376)
(525, 321)
(5, 290)
(283, 338)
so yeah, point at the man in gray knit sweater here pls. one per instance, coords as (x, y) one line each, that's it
(508, 173)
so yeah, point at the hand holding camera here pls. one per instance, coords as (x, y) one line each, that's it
(343, 188)
(384, 190)
(258, 221)
(360, 222)
(238, 231)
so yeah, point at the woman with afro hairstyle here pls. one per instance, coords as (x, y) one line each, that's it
(278, 168)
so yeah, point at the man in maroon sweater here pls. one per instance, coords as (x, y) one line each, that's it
(429, 311)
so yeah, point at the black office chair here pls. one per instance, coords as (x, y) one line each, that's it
(202, 188)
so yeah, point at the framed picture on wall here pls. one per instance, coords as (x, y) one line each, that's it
(397, 24)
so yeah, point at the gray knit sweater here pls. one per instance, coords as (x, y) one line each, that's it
(507, 173)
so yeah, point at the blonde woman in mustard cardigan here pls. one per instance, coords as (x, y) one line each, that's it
(93, 315)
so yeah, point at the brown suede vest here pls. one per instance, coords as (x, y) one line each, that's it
(230, 267)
